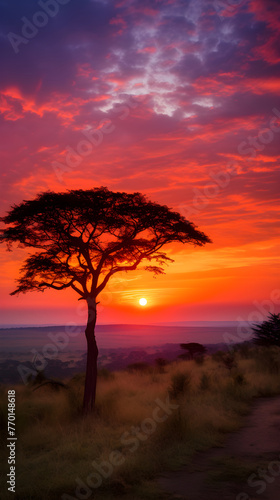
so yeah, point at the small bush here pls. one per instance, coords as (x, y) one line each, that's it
(199, 360)
(226, 358)
(229, 361)
(161, 364)
(180, 383)
(204, 382)
(39, 378)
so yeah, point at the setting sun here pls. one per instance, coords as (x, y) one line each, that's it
(143, 302)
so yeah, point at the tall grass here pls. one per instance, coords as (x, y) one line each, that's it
(56, 445)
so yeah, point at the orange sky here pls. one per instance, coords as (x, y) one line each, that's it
(179, 103)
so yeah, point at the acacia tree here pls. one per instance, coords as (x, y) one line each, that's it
(82, 238)
(193, 348)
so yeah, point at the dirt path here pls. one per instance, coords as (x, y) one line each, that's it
(250, 454)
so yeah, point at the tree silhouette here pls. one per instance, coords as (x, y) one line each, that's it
(193, 348)
(83, 238)
(268, 332)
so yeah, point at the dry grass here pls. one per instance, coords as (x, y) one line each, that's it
(56, 446)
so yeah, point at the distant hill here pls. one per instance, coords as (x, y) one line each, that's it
(25, 338)
(112, 359)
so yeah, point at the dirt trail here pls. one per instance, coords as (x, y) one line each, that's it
(255, 446)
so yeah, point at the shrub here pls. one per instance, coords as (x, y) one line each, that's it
(39, 378)
(161, 364)
(199, 360)
(229, 361)
(205, 382)
(180, 383)
(227, 358)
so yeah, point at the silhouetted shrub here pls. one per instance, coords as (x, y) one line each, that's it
(229, 361)
(199, 360)
(39, 378)
(226, 358)
(180, 383)
(161, 364)
(205, 382)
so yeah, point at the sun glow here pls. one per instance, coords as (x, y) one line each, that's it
(143, 301)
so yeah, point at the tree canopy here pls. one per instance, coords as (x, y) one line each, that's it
(193, 348)
(84, 237)
(268, 332)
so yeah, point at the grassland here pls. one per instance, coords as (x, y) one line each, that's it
(146, 421)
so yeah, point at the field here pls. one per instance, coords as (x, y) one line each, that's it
(148, 420)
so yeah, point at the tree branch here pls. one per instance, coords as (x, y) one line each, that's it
(80, 292)
(113, 271)
(51, 285)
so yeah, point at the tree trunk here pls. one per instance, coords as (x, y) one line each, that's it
(92, 354)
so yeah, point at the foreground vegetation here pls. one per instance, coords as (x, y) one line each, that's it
(147, 421)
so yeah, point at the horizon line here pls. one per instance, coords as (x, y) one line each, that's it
(167, 323)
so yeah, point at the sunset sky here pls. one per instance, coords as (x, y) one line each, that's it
(176, 99)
